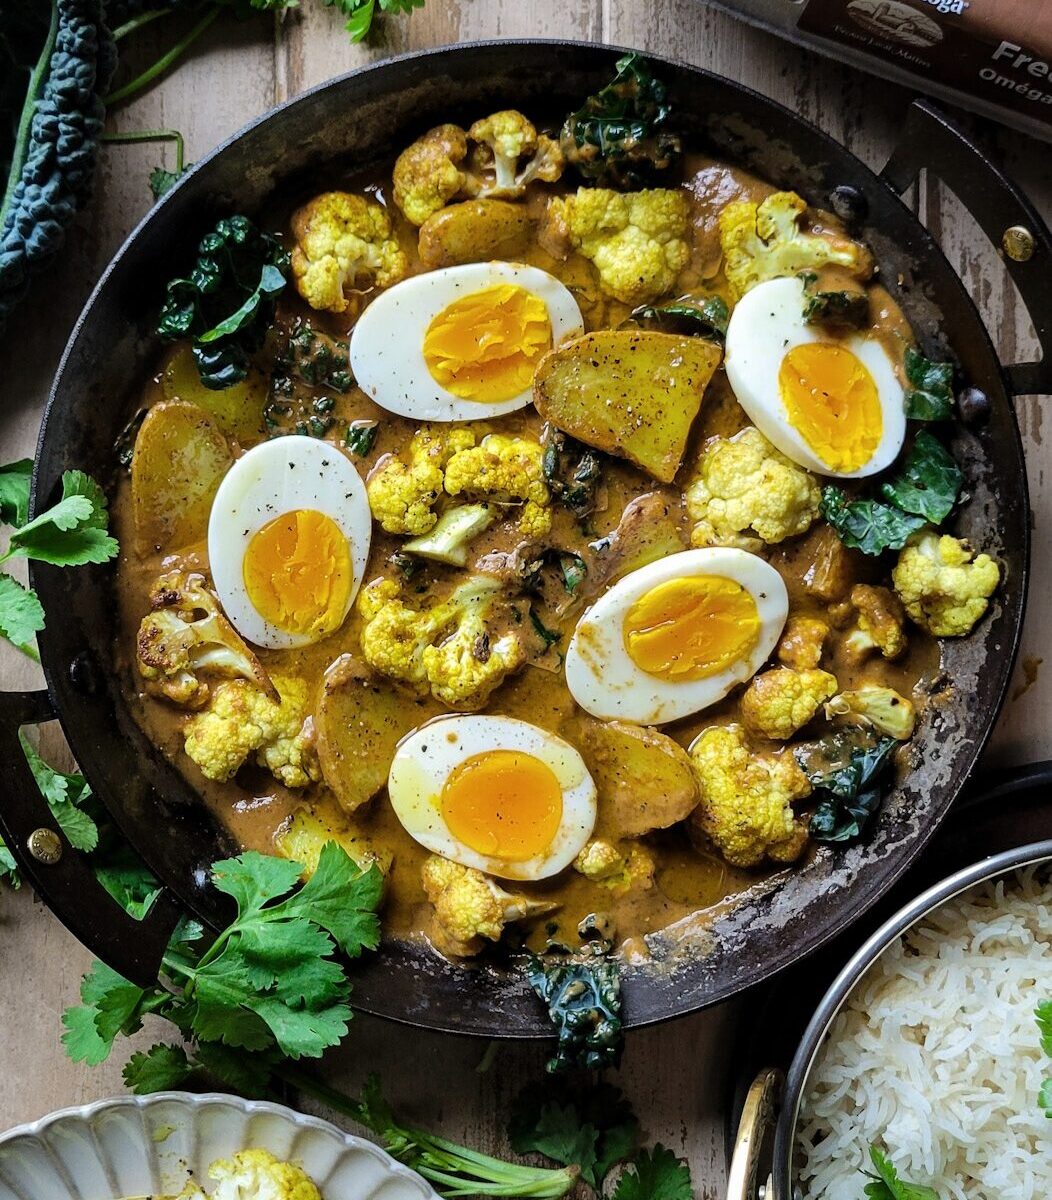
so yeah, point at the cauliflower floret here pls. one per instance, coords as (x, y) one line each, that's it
(507, 470)
(744, 483)
(779, 702)
(637, 240)
(764, 241)
(502, 141)
(402, 495)
(242, 720)
(882, 707)
(470, 907)
(604, 863)
(802, 643)
(186, 636)
(881, 623)
(746, 799)
(943, 584)
(451, 649)
(427, 174)
(261, 1176)
(343, 241)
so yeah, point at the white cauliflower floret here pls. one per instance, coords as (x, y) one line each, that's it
(744, 484)
(509, 153)
(943, 584)
(779, 702)
(258, 1175)
(185, 637)
(342, 242)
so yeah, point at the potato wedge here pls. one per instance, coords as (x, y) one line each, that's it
(359, 722)
(475, 231)
(644, 779)
(306, 833)
(651, 527)
(631, 392)
(236, 410)
(179, 459)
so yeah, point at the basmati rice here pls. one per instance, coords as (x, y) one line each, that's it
(937, 1057)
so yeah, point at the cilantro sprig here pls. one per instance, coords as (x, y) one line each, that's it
(71, 533)
(1043, 1016)
(887, 1185)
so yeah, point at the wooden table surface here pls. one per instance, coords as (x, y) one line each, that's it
(676, 1075)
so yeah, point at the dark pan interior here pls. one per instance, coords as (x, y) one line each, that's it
(352, 122)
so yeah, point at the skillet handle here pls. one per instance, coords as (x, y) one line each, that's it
(752, 1141)
(67, 884)
(933, 142)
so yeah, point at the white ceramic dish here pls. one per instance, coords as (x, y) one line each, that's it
(143, 1145)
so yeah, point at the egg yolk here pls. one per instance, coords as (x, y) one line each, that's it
(505, 804)
(832, 402)
(486, 346)
(297, 572)
(691, 628)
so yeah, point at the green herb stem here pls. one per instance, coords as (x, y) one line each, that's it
(144, 79)
(151, 135)
(138, 22)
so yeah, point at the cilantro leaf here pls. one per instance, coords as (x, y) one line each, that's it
(342, 899)
(1044, 1098)
(253, 878)
(21, 613)
(110, 1005)
(928, 482)
(930, 396)
(162, 1068)
(9, 868)
(70, 533)
(15, 478)
(303, 1032)
(64, 794)
(1043, 1016)
(867, 525)
(655, 1175)
(360, 13)
(127, 880)
(246, 1073)
(888, 1185)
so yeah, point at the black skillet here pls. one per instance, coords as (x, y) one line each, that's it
(357, 121)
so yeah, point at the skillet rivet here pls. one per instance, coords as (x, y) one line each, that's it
(45, 846)
(1018, 243)
(849, 203)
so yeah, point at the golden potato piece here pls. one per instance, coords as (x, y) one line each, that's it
(360, 719)
(306, 834)
(179, 459)
(651, 527)
(644, 779)
(630, 392)
(236, 410)
(475, 231)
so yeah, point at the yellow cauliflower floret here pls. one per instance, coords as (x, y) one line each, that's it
(455, 649)
(427, 174)
(743, 483)
(507, 470)
(943, 584)
(746, 799)
(240, 720)
(259, 1175)
(343, 241)
(620, 871)
(470, 907)
(779, 702)
(402, 495)
(802, 643)
(881, 622)
(765, 241)
(637, 240)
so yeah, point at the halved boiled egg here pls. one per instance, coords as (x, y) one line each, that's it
(461, 344)
(288, 539)
(831, 404)
(676, 636)
(494, 793)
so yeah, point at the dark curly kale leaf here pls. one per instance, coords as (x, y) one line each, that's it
(705, 316)
(573, 472)
(227, 304)
(930, 395)
(583, 995)
(843, 768)
(55, 61)
(835, 308)
(867, 525)
(618, 137)
(928, 482)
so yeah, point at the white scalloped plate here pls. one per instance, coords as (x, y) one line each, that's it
(144, 1145)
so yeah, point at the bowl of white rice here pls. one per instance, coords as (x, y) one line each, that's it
(928, 1047)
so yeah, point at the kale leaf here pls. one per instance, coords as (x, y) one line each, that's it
(928, 482)
(573, 472)
(843, 768)
(618, 138)
(583, 996)
(226, 305)
(834, 308)
(930, 395)
(867, 525)
(705, 316)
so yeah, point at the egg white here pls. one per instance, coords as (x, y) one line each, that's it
(272, 478)
(765, 325)
(387, 343)
(604, 680)
(426, 757)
